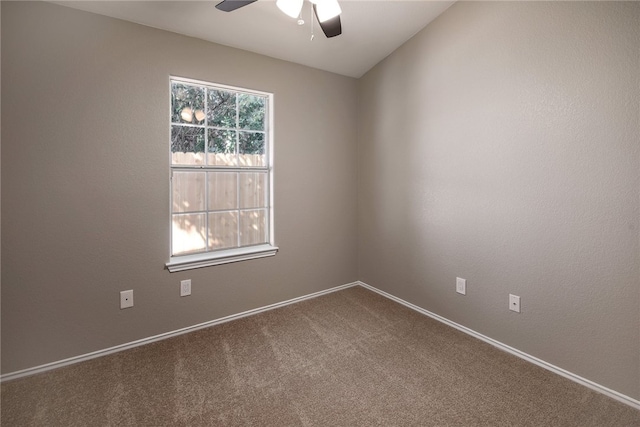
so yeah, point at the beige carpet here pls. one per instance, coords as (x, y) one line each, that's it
(351, 358)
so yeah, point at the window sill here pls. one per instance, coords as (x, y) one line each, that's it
(188, 262)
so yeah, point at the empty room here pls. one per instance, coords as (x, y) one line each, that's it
(326, 213)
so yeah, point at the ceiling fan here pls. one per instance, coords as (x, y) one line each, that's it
(327, 12)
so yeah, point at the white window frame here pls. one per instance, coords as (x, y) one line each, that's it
(225, 256)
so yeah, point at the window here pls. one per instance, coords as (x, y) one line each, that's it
(221, 175)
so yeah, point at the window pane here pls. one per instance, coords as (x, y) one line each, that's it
(188, 191)
(188, 233)
(187, 145)
(222, 147)
(251, 111)
(223, 230)
(251, 146)
(220, 174)
(221, 111)
(253, 190)
(187, 103)
(223, 190)
(253, 227)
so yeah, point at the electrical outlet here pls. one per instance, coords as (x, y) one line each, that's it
(126, 299)
(514, 303)
(185, 287)
(461, 286)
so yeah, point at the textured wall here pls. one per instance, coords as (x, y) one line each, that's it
(85, 183)
(501, 144)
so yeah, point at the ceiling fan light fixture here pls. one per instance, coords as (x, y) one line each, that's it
(291, 8)
(327, 9)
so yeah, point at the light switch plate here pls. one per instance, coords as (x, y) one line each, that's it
(514, 303)
(461, 286)
(126, 299)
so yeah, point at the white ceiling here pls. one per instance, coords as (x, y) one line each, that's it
(371, 30)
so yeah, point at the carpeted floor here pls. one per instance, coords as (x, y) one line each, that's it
(350, 358)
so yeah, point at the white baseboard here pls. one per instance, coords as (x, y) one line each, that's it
(81, 358)
(576, 378)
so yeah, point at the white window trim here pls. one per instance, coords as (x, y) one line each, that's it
(188, 262)
(226, 256)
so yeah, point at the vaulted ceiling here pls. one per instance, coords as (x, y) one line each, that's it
(371, 30)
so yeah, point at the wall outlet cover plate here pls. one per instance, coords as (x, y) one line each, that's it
(185, 287)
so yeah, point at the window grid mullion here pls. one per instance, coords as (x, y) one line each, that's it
(238, 210)
(234, 210)
(207, 230)
(226, 128)
(206, 210)
(206, 124)
(219, 168)
(188, 125)
(238, 228)
(267, 157)
(267, 202)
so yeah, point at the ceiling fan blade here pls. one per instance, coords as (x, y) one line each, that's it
(231, 5)
(331, 27)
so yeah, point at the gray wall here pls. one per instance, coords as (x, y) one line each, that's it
(85, 183)
(501, 145)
